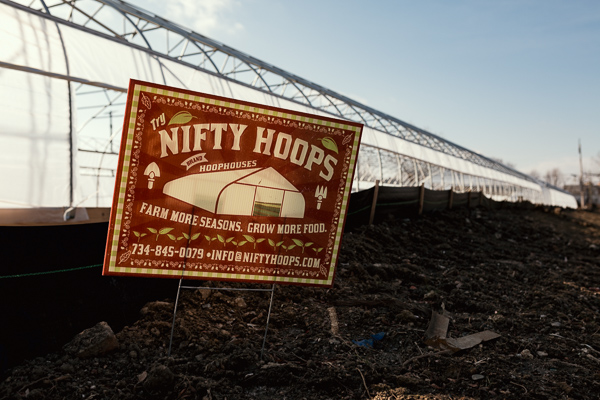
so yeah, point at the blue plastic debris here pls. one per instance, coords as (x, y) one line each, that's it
(369, 342)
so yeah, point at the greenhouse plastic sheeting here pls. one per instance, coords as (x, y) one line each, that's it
(35, 150)
(37, 134)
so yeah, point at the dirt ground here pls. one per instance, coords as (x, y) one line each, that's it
(531, 276)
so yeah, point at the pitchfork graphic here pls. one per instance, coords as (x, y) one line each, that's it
(320, 194)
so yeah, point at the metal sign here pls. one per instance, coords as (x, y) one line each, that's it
(220, 189)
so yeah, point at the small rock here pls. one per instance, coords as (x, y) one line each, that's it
(93, 342)
(408, 380)
(477, 377)
(184, 344)
(497, 317)
(406, 316)
(34, 394)
(429, 295)
(379, 387)
(270, 365)
(555, 324)
(67, 368)
(156, 306)
(564, 386)
(240, 302)
(205, 293)
(542, 354)
(142, 377)
(557, 210)
(38, 372)
(159, 379)
(226, 334)
(526, 354)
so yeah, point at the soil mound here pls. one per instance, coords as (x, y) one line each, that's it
(532, 277)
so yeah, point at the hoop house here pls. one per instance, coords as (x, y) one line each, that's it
(63, 99)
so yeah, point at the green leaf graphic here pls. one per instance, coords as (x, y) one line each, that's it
(164, 230)
(249, 238)
(182, 117)
(330, 144)
(152, 230)
(196, 236)
(185, 235)
(298, 242)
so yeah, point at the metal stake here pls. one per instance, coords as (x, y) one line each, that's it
(174, 315)
(179, 289)
(267, 327)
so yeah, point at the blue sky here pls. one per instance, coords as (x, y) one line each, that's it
(517, 80)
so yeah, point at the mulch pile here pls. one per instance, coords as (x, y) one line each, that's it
(530, 276)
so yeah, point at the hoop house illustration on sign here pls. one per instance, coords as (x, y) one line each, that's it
(254, 191)
(219, 189)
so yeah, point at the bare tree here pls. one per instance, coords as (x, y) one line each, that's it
(501, 161)
(554, 177)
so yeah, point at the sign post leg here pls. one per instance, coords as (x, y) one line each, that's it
(267, 327)
(174, 315)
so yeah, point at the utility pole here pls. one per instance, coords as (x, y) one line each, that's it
(582, 201)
